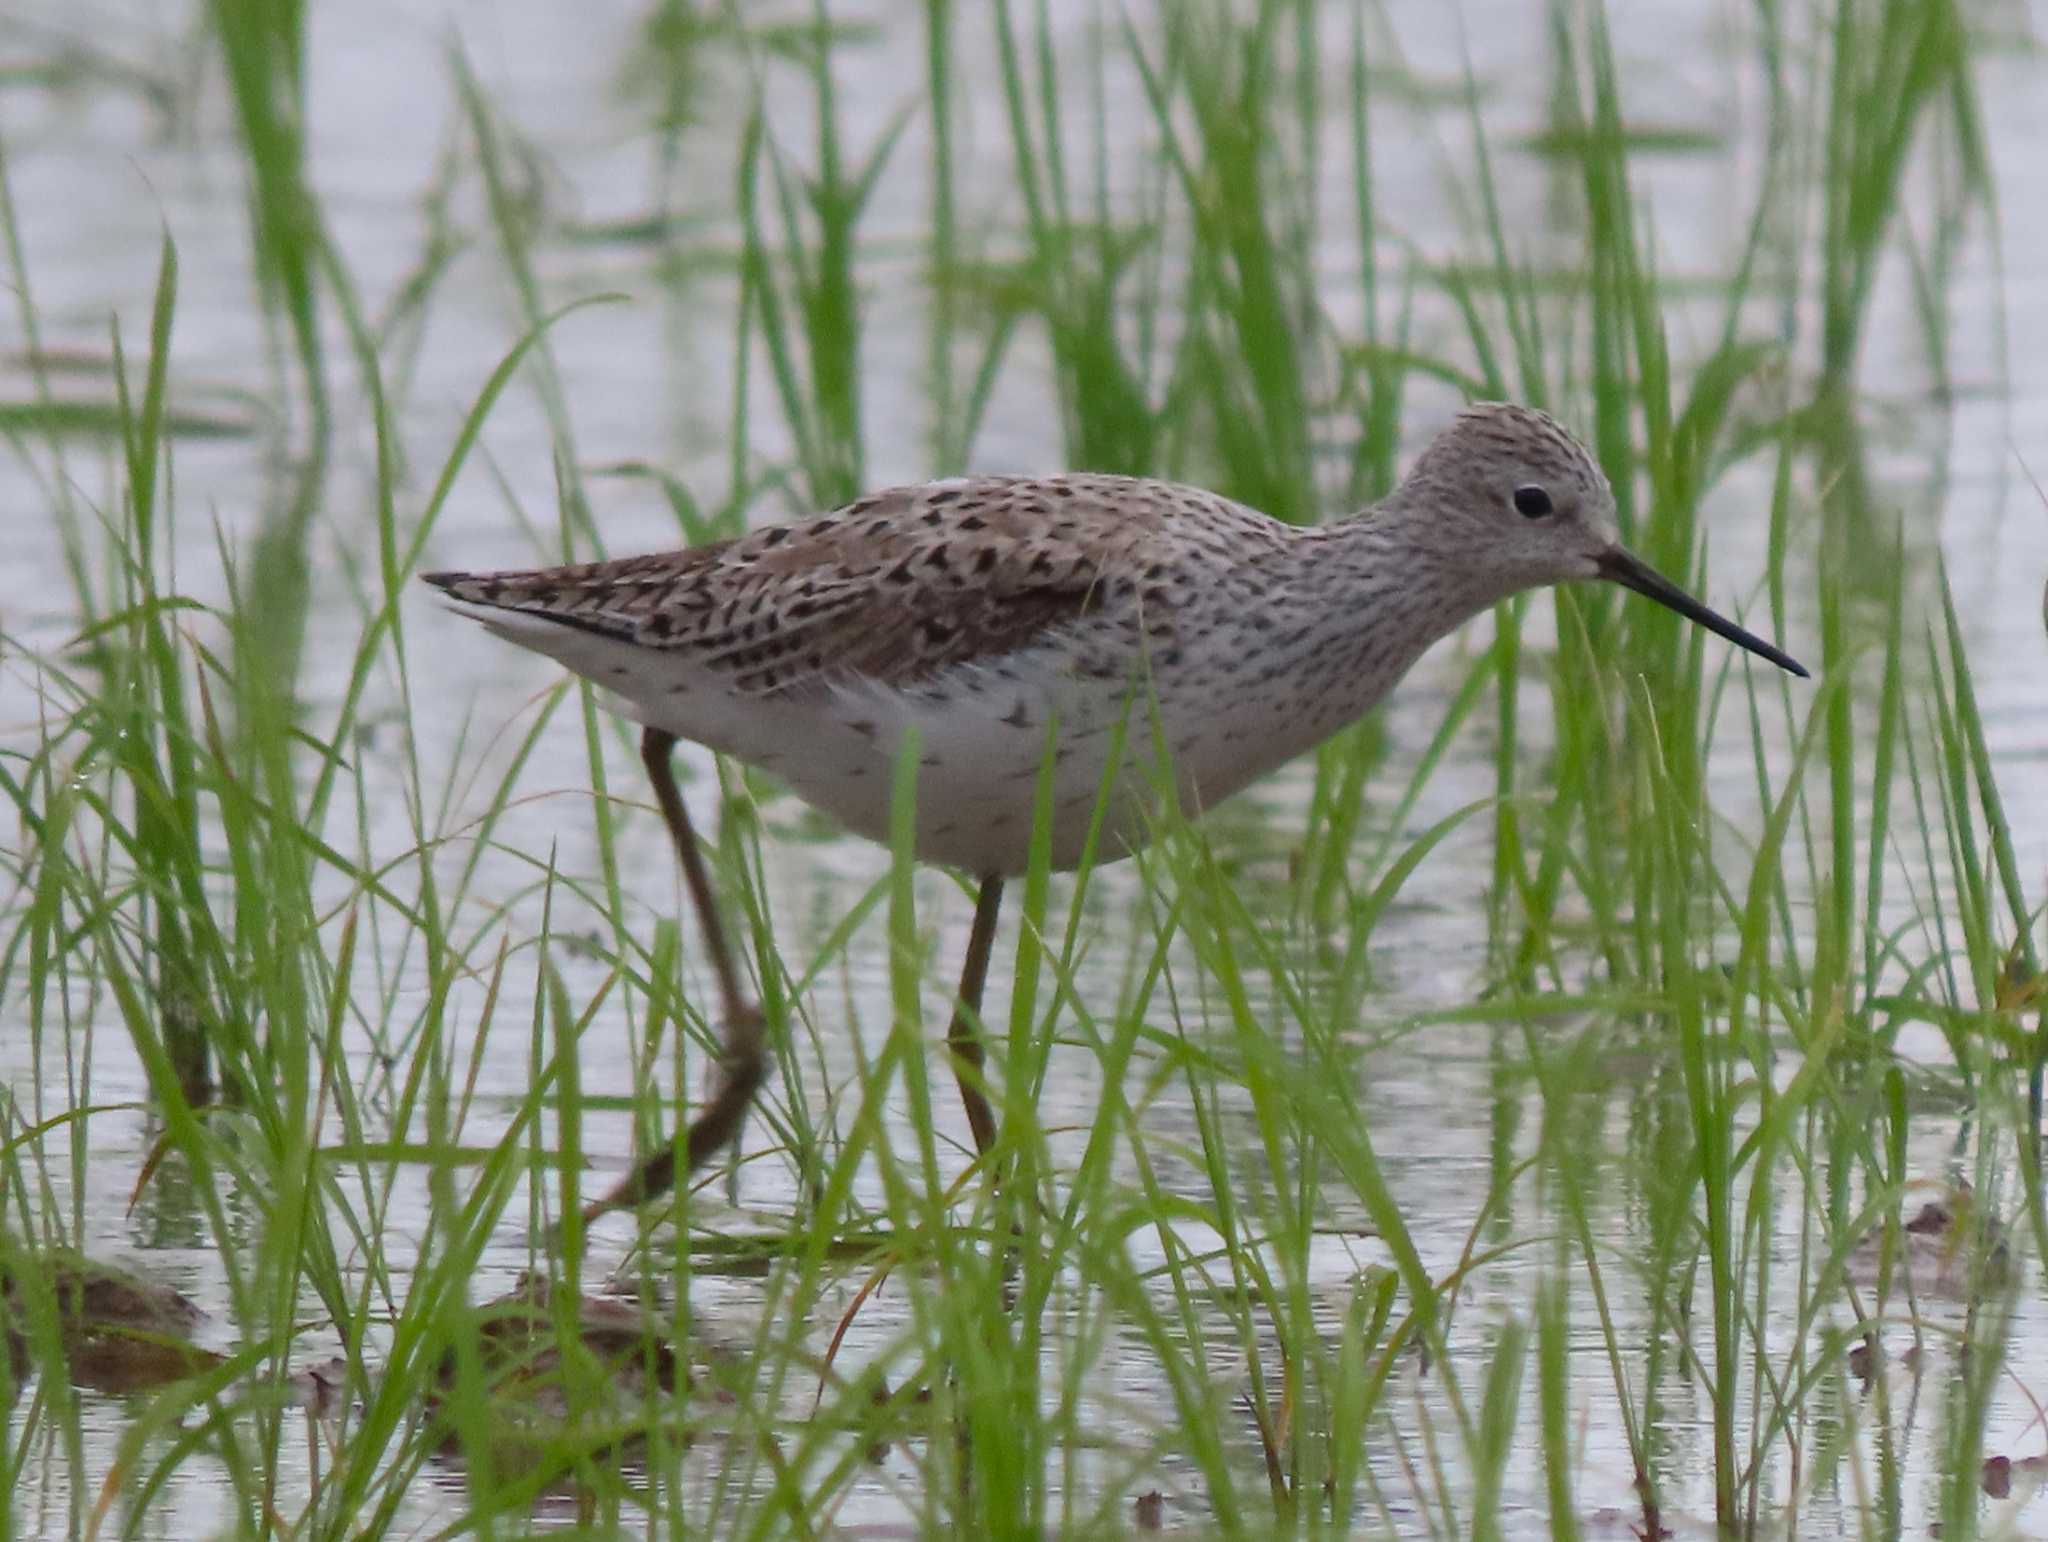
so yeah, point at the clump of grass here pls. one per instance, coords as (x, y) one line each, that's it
(1084, 274)
(819, 390)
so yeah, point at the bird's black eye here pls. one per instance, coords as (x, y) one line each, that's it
(1532, 502)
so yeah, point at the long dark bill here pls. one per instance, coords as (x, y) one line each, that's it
(1631, 572)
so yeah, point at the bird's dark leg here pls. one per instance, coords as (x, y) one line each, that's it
(964, 1038)
(744, 1065)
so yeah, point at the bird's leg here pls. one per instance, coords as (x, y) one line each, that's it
(744, 1065)
(964, 1037)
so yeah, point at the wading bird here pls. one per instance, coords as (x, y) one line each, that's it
(1000, 619)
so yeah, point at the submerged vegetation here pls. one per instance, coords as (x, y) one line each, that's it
(1603, 1093)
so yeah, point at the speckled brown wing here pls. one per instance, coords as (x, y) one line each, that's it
(892, 589)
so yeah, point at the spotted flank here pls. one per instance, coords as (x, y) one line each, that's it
(895, 588)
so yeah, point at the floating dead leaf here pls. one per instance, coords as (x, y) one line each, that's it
(119, 1333)
(539, 1407)
(1999, 1472)
(319, 1389)
(2019, 984)
(1949, 1249)
(118, 1361)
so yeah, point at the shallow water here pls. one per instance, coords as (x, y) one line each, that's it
(96, 172)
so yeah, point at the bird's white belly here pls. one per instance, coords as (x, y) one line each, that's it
(983, 739)
(981, 747)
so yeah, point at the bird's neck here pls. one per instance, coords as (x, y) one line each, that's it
(1353, 605)
(1394, 562)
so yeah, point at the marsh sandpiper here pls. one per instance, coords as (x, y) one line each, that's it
(1001, 619)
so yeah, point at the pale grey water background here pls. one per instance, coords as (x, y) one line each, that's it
(95, 173)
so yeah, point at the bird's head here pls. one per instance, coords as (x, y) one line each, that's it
(1507, 495)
